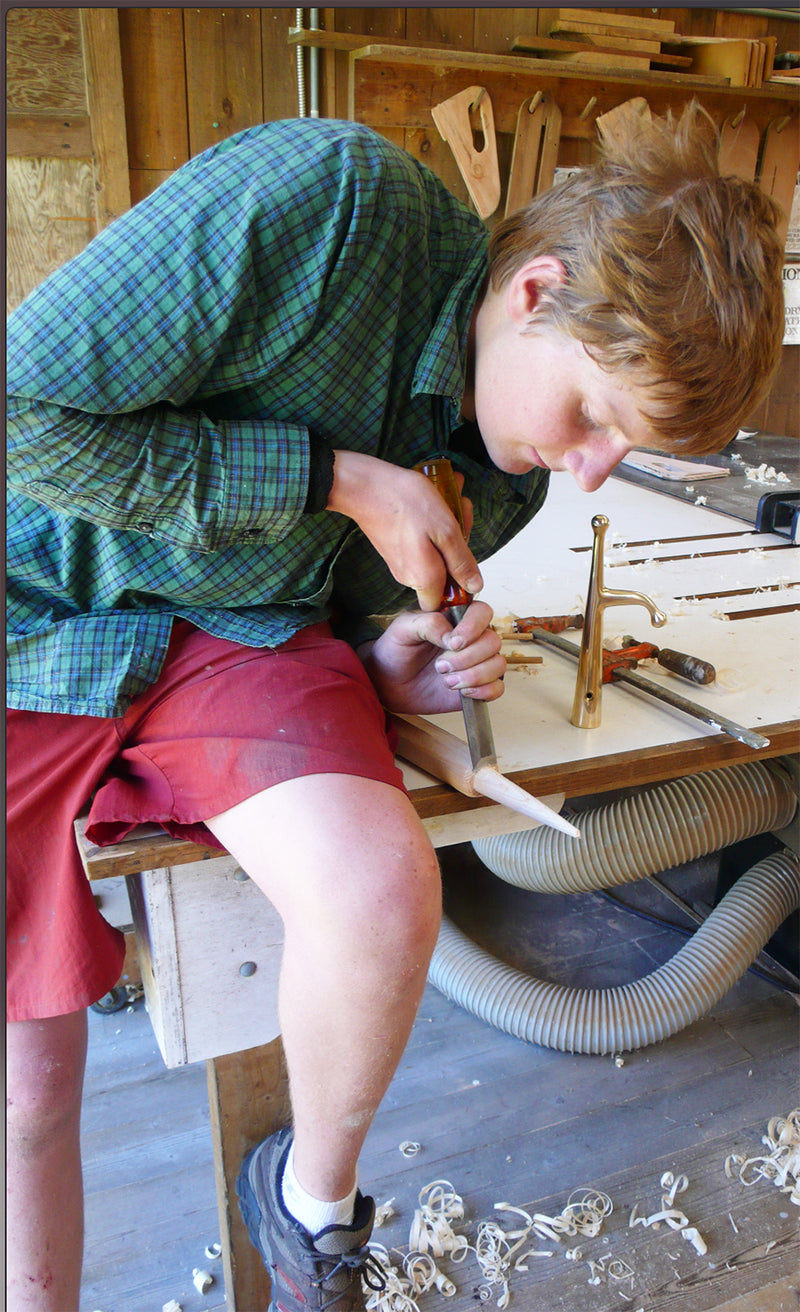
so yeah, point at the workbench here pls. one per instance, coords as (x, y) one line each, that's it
(209, 942)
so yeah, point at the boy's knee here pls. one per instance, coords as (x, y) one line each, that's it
(44, 1081)
(409, 895)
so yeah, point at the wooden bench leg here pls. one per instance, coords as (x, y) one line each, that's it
(248, 1096)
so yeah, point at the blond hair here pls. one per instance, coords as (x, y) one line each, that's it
(673, 273)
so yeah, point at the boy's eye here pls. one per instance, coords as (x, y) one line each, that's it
(590, 423)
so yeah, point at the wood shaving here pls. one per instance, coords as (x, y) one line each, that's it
(608, 1268)
(396, 1294)
(672, 1216)
(431, 1228)
(498, 1251)
(781, 1164)
(409, 1149)
(764, 474)
(431, 1235)
(212, 1251)
(202, 1280)
(384, 1213)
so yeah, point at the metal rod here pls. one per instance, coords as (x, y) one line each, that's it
(780, 973)
(747, 736)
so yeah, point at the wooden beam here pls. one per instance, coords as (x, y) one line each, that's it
(248, 1098)
(50, 136)
(104, 93)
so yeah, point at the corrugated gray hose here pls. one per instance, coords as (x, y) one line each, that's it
(627, 840)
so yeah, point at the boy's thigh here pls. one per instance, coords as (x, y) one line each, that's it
(335, 848)
(227, 722)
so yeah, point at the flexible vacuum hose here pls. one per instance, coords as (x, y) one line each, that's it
(627, 840)
(634, 1015)
(656, 830)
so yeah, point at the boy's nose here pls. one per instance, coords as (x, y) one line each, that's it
(591, 463)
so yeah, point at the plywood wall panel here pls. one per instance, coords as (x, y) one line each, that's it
(44, 63)
(223, 73)
(154, 78)
(50, 218)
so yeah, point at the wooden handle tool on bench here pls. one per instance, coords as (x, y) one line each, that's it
(484, 777)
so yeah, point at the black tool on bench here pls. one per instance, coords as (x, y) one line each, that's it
(779, 512)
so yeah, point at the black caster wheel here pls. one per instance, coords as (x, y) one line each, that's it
(114, 1000)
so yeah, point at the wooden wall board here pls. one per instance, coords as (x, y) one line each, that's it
(224, 74)
(154, 78)
(44, 63)
(389, 22)
(144, 182)
(453, 27)
(279, 81)
(49, 218)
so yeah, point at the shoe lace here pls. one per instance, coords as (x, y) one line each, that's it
(363, 1261)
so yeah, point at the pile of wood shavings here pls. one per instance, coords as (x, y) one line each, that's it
(498, 1252)
(765, 474)
(431, 1236)
(670, 1214)
(781, 1164)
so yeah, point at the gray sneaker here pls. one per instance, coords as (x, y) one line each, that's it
(309, 1273)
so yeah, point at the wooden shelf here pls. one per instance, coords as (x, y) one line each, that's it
(399, 52)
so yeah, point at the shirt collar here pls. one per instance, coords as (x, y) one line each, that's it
(442, 364)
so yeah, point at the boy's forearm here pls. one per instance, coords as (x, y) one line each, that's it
(191, 481)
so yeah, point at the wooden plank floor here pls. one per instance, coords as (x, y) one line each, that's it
(501, 1120)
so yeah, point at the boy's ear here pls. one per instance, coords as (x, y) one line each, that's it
(524, 289)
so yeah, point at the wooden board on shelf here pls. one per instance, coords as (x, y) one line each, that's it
(603, 21)
(578, 49)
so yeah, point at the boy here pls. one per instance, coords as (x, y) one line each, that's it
(215, 411)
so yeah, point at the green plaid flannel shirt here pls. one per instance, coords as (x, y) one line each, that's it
(301, 275)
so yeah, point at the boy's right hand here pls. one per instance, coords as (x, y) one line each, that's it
(407, 521)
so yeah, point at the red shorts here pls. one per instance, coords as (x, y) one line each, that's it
(222, 723)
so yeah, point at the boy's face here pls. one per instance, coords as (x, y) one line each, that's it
(539, 399)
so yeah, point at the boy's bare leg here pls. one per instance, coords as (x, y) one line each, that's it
(44, 1249)
(348, 865)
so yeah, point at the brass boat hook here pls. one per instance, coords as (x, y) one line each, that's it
(587, 705)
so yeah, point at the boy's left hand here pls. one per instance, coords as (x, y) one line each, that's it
(421, 664)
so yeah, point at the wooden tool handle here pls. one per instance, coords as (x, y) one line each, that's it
(689, 667)
(440, 473)
(436, 751)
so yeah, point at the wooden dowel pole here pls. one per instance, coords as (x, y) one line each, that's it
(446, 757)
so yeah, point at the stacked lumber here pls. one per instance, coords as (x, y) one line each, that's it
(744, 61)
(624, 41)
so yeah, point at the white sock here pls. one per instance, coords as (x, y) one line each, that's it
(314, 1214)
